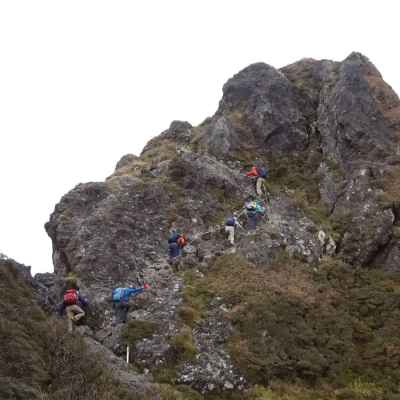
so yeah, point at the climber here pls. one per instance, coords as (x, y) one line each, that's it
(120, 299)
(254, 211)
(230, 226)
(72, 305)
(176, 243)
(260, 173)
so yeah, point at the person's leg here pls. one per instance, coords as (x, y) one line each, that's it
(125, 313)
(231, 234)
(252, 221)
(70, 317)
(173, 250)
(79, 313)
(259, 183)
(227, 231)
(119, 313)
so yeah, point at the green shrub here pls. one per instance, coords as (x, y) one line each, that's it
(183, 346)
(137, 329)
(188, 315)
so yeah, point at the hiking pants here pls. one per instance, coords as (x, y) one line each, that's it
(259, 183)
(252, 221)
(174, 250)
(231, 233)
(74, 314)
(121, 312)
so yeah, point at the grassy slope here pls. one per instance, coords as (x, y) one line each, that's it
(38, 360)
(324, 334)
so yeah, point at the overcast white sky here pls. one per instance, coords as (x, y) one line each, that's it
(84, 82)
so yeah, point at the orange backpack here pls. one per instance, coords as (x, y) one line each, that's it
(182, 241)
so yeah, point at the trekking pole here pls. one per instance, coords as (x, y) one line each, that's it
(127, 353)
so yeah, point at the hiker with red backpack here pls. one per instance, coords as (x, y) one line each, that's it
(120, 299)
(260, 173)
(72, 305)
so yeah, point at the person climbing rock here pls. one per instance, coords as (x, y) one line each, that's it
(254, 211)
(72, 305)
(230, 227)
(260, 173)
(120, 301)
(176, 243)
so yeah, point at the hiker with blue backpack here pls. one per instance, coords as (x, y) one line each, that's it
(260, 173)
(230, 226)
(120, 300)
(254, 211)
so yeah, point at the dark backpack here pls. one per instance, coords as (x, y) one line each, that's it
(230, 221)
(173, 238)
(262, 172)
(71, 297)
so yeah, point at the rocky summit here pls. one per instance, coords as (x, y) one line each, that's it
(305, 306)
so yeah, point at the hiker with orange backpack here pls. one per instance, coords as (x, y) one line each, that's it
(176, 243)
(260, 173)
(72, 305)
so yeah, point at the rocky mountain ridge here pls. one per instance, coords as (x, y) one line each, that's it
(301, 298)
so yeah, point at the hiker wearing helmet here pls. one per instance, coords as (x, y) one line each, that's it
(260, 173)
(230, 225)
(120, 300)
(72, 305)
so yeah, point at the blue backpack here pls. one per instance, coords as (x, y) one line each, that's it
(262, 172)
(260, 209)
(117, 294)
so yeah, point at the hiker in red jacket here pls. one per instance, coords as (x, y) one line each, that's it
(260, 173)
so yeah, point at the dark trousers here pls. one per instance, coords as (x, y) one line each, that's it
(121, 310)
(174, 250)
(252, 221)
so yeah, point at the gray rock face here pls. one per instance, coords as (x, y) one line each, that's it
(260, 106)
(113, 233)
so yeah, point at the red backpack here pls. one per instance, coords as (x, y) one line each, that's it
(71, 297)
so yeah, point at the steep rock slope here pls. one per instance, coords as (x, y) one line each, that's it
(329, 133)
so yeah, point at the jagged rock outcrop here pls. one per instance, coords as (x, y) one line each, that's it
(328, 131)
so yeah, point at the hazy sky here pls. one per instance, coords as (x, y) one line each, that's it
(84, 82)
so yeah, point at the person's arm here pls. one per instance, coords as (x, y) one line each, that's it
(61, 309)
(82, 300)
(134, 291)
(237, 223)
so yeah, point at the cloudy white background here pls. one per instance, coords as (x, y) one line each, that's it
(84, 82)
